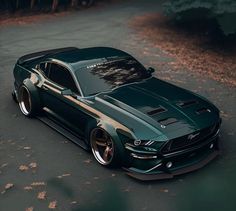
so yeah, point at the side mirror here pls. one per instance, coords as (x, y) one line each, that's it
(67, 92)
(151, 70)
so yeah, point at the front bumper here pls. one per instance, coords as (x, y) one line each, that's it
(183, 162)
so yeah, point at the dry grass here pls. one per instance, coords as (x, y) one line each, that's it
(191, 50)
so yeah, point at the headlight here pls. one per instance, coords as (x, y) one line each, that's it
(139, 142)
(145, 146)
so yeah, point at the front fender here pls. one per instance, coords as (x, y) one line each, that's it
(113, 132)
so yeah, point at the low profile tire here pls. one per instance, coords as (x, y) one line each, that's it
(13, 94)
(103, 148)
(26, 102)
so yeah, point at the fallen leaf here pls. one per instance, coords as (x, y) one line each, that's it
(23, 168)
(63, 175)
(28, 188)
(189, 51)
(87, 183)
(42, 195)
(29, 209)
(33, 165)
(8, 186)
(165, 190)
(38, 184)
(4, 165)
(88, 161)
(52, 205)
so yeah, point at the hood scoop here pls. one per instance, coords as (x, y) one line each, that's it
(184, 104)
(167, 121)
(157, 110)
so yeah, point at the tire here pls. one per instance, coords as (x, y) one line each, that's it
(14, 97)
(104, 148)
(27, 102)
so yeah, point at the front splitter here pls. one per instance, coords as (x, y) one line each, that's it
(161, 176)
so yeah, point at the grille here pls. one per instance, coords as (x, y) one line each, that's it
(185, 142)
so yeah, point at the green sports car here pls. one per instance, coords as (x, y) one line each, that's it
(106, 101)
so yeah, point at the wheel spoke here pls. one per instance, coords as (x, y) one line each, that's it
(106, 154)
(110, 151)
(101, 143)
(102, 147)
(100, 139)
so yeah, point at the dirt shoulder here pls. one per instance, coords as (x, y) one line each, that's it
(28, 18)
(191, 50)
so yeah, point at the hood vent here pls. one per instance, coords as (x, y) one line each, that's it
(203, 110)
(156, 111)
(187, 103)
(167, 121)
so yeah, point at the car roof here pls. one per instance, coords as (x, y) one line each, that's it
(85, 55)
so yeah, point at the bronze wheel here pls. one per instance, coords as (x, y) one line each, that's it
(25, 102)
(102, 146)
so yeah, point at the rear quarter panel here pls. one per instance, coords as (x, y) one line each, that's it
(20, 74)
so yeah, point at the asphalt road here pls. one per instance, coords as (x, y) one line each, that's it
(69, 175)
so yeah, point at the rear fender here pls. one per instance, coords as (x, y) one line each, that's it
(30, 83)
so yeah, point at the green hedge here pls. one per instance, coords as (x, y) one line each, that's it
(222, 11)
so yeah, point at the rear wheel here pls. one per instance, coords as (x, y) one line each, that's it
(103, 147)
(26, 102)
(14, 97)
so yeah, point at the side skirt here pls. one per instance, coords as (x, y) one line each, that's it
(51, 121)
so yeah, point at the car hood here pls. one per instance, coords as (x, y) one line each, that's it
(155, 108)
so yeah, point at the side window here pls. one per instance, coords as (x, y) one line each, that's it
(62, 77)
(44, 67)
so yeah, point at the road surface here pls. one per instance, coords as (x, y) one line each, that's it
(69, 175)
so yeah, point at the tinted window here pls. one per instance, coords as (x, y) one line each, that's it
(110, 74)
(62, 77)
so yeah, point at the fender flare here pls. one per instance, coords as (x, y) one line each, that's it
(111, 130)
(35, 99)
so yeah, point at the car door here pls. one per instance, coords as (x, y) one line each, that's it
(62, 107)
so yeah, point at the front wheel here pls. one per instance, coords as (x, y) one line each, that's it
(103, 147)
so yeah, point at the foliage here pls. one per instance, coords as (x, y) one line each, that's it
(221, 11)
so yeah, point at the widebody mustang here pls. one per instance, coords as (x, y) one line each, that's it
(105, 101)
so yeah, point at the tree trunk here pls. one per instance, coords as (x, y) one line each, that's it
(74, 3)
(17, 4)
(32, 3)
(54, 5)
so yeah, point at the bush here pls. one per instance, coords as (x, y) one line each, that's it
(223, 12)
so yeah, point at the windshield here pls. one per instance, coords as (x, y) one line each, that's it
(107, 75)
